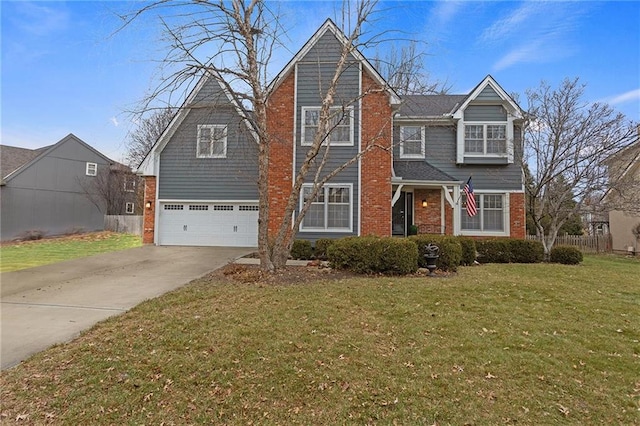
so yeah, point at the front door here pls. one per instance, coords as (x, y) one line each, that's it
(402, 214)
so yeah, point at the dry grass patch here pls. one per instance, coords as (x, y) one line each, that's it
(526, 344)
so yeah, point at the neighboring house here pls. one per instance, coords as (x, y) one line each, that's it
(201, 174)
(41, 189)
(623, 199)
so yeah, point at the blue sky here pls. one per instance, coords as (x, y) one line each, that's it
(64, 71)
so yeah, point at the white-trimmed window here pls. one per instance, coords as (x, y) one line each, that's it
(130, 184)
(492, 217)
(485, 139)
(340, 125)
(412, 142)
(330, 211)
(212, 141)
(91, 169)
(129, 208)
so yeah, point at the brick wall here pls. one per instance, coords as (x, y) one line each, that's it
(149, 220)
(376, 165)
(517, 214)
(427, 219)
(280, 111)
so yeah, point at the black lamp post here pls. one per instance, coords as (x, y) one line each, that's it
(431, 255)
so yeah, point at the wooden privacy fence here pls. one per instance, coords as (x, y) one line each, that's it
(128, 224)
(586, 243)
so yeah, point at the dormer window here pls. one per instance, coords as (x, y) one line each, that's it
(485, 139)
(412, 142)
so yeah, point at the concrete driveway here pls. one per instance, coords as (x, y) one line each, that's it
(52, 304)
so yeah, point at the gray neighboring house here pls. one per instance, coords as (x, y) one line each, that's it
(41, 189)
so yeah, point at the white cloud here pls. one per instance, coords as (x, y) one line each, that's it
(534, 32)
(631, 95)
(40, 20)
(114, 121)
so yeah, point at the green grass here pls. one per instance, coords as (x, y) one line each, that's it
(495, 344)
(43, 252)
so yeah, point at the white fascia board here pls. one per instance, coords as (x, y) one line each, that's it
(434, 183)
(329, 25)
(513, 108)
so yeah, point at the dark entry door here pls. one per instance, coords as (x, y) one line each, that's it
(402, 214)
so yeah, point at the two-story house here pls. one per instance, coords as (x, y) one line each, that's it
(200, 177)
(43, 190)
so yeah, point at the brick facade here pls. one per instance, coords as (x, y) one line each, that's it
(280, 113)
(428, 219)
(517, 215)
(149, 219)
(375, 185)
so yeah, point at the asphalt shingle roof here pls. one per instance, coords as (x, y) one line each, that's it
(420, 170)
(12, 158)
(429, 105)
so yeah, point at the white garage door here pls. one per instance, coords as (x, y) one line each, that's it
(208, 224)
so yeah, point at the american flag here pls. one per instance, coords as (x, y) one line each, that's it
(472, 209)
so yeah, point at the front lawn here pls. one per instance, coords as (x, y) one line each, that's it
(27, 254)
(495, 344)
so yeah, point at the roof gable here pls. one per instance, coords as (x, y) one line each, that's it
(488, 90)
(197, 98)
(35, 155)
(330, 27)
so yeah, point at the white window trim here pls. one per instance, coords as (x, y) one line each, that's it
(510, 134)
(91, 169)
(325, 188)
(484, 125)
(132, 182)
(505, 212)
(349, 113)
(129, 208)
(212, 128)
(422, 146)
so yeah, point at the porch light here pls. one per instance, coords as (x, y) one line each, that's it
(148, 205)
(424, 203)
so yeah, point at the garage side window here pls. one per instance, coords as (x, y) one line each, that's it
(212, 141)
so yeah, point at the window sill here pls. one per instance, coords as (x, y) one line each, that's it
(486, 159)
(473, 233)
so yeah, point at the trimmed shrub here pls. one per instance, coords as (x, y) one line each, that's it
(322, 244)
(468, 250)
(526, 251)
(450, 251)
(493, 251)
(301, 249)
(567, 255)
(374, 255)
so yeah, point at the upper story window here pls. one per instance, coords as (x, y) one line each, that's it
(340, 125)
(331, 210)
(130, 184)
(91, 169)
(412, 142)
(212, 141)
(485, 139)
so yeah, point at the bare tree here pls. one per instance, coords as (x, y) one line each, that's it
(141, 140)
(404, 70)
(234, 41)
(109, 190)
(624, 175)
(566, 142)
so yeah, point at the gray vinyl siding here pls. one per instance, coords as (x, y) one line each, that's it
(314, 73)
(488, 94)
(47, 196)
(485, 113)
(440, 149)
(183, 176)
